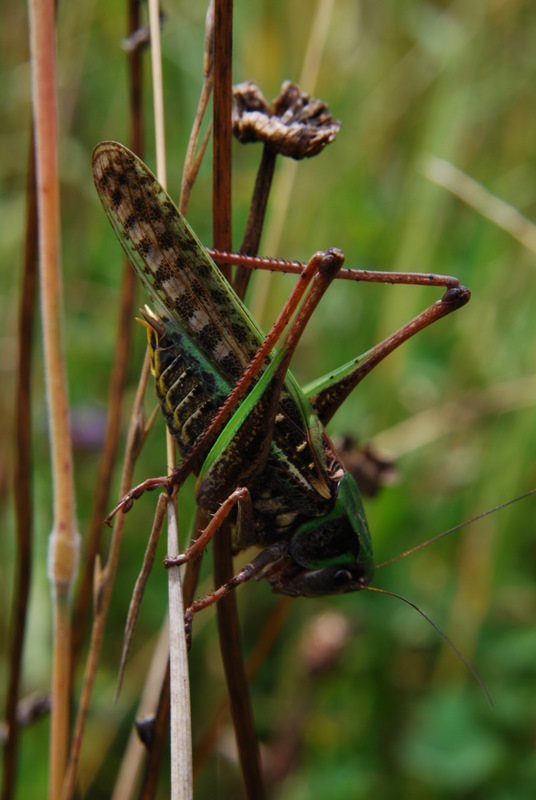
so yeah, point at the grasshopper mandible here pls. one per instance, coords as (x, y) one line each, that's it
(241, 422)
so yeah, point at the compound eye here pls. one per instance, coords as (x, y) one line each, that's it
(342, 578)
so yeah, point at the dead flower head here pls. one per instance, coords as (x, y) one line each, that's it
(293, 124)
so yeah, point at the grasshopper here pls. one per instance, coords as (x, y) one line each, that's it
(241, 422)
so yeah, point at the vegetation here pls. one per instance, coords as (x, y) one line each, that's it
(429, 95)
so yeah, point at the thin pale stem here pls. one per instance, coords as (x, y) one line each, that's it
(158, 94)
(181, 737)
(64, 540)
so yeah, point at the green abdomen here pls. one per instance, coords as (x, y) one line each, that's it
(191, 395)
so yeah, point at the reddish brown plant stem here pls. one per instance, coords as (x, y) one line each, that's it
(223, 568)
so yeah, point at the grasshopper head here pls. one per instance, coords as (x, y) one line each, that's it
(330, 554)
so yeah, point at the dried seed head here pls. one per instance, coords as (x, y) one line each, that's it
(293, 124)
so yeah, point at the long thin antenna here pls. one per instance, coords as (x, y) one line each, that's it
(443, 635)
(454, 529)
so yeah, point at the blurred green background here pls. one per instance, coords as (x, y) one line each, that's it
(394, 713)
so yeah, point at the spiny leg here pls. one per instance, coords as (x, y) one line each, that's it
(264, 559)
(269, 555)
(127, 501)
(241, 496)
(327, 400)
(345, 273)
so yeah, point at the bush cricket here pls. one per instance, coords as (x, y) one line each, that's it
(242, 423)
